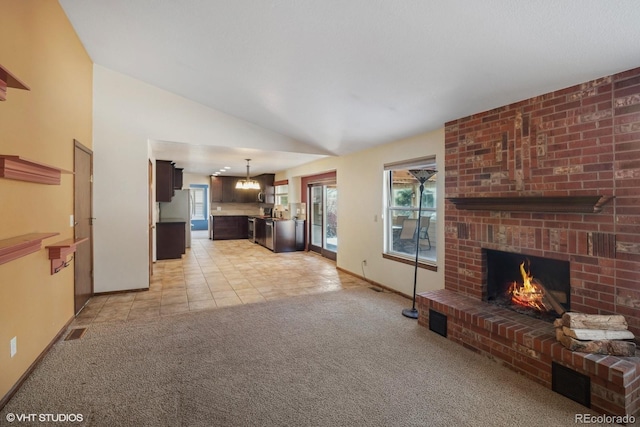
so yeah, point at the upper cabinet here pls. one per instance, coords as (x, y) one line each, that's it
(9, 80)
(223, 190)
(267, 190)
(216, 189)
(168, 180)
(177, 178)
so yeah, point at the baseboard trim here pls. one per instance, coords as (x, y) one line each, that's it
(374, 283)
(13, 390)
(124, 291)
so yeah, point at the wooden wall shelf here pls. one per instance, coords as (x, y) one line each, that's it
(59, 251)
(17, 247)
(9, 80)
(569, 204)
(21, 169)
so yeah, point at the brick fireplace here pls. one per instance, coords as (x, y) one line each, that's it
(555, 176)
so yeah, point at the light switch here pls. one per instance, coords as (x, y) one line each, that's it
(71, 222)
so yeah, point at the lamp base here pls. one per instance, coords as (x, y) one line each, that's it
(410, 312)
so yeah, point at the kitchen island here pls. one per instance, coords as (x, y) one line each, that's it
(228, 227)
(279, 235)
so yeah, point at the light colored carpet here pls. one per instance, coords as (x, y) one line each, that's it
(345, 358)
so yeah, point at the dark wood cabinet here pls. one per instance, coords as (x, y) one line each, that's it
(177, 178)
(266, 193)
(229, 227)
(216, 189)
(223, 190)
(164, 180)
(229, 192)
(300, 235)
(284, 234)
(170, 240)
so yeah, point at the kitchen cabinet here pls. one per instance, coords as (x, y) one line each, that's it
(223, 190)
(164, 180)
(267, 188)
(284, 235)
(300, 234)
(177, 178)
(278, 235)
(216, 189)
(229, 192)
(229, 227)
(170, 239)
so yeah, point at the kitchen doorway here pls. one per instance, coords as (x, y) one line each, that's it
(323, 219)
(199, 195)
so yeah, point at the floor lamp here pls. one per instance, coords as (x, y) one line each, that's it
(421, 175)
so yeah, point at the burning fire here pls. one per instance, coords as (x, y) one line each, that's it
(527, 293)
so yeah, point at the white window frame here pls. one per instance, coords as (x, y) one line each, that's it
(195, 203)
(281, 190)
(393, 221)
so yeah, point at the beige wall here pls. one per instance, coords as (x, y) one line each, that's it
(361, 209)
(38, 45)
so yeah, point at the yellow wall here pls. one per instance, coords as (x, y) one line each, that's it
(39, 46)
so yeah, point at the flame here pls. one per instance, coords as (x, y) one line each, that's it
(527, 293)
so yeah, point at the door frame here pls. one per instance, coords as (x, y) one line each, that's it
(328, 178)
(77, 145)
(151, 226)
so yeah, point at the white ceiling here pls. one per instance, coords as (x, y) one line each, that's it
(344, 75)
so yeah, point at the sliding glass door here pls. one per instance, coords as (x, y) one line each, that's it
(324, 219)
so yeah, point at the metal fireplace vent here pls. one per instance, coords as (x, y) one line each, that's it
(571, 384)
(438, 323)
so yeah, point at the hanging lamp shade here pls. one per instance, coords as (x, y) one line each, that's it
(248, 183)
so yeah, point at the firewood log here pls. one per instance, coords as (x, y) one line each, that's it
(598, 334)
(594, 321)
(614, 348)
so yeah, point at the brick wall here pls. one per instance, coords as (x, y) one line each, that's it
(580, 141)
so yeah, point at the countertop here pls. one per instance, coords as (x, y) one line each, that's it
(167, 220)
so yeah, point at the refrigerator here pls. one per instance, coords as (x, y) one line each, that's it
(178, 209)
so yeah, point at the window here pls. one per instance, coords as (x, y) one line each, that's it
(402, 237)
(198, 197)
(282, 194)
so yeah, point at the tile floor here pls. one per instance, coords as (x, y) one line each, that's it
(215, 274)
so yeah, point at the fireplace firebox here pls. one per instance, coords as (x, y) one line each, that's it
(531, 285)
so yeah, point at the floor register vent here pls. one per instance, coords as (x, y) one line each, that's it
(75, 334)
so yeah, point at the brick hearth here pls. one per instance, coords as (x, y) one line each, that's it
(582, 142)
(528, 346)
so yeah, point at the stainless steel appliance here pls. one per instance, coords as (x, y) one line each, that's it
(251, 229)
(268, 212)
(269, 234)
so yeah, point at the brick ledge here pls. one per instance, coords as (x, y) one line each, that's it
(528, 346)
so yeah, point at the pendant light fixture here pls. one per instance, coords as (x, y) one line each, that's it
(248, 183)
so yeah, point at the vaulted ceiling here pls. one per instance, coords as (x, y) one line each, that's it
(344, 75)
